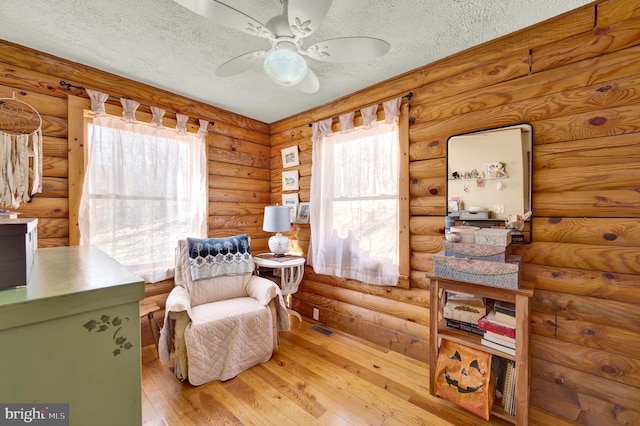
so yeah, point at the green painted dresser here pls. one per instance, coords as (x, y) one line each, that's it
(72, 336)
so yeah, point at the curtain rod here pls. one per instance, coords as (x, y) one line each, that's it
(408, 96)
(69, 86)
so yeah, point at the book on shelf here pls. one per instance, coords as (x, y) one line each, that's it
(499, 338)
(505, 312)
(508, 308)
(465, 326)
(510, 403)
(464, 307)
(509, 389)
(506, 319)
(466, 299)
(498, 346)
(462, 312)
(489, 322)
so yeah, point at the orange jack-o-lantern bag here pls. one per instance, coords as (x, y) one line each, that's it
(463, 376)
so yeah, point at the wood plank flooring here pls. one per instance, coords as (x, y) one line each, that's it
(313, 379)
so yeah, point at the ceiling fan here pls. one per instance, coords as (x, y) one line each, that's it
(283, 62)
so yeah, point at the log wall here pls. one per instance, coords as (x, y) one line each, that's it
(576, 79)
(238, 147)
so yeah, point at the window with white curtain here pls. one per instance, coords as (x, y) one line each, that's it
(355, 203)
(144, 189)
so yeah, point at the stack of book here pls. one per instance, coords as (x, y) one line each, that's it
(500, 327)
(463, 311)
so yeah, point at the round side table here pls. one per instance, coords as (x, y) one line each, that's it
(291, 269)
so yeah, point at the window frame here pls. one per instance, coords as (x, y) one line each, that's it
(404, 254)
(78, 109)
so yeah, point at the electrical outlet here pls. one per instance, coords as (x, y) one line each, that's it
(316, 314)
(498, 208)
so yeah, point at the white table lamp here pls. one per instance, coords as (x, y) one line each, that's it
(277, 219)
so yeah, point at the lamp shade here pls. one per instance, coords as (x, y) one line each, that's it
(276, 219)
(285, 67)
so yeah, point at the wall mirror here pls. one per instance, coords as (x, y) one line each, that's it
(489, 179)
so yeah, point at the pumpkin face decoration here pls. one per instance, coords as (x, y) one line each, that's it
(470, 377)
(463, 376)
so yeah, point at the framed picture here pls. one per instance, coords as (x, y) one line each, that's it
(291, 201)
(290, 157)
(303, 213)
(290, 180)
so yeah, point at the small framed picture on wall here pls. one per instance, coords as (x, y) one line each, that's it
(290, 180)
(290, 157)
(303, 213)
(291, 201)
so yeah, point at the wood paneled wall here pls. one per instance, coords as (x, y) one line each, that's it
(576, 78)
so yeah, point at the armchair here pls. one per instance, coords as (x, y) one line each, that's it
(220, 317)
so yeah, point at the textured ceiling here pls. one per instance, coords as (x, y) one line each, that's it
(160, 43)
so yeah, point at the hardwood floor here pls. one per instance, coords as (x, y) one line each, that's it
(313, 379)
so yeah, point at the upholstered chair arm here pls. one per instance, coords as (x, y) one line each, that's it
(265, 290)
(261, 289)
(177, 315)
(178, 300)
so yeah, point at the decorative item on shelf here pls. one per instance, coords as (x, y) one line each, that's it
(516, 221)
(277, 219)
(483, 272)
(453, 237)
(463, 376)
(467, 233)
(496, 170)
(477, 251)
(494, 237)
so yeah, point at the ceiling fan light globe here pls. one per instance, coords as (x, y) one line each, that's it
(285, 67)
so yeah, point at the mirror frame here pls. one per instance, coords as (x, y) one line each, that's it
(526, 128)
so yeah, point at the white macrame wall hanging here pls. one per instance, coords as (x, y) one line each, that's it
(20, 152)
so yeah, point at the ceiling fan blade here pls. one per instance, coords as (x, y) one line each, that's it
(242, 63)
(347, 49)
(225, 15)
(306, 16)
(310, 83)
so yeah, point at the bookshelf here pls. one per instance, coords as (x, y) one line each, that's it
(439, 330)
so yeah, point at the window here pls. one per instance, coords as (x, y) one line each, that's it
(144, 189)
(357, 205)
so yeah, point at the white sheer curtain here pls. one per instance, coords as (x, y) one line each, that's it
(144, 189)
(355, 198)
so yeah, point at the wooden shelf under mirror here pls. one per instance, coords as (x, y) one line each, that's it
(521, 297)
